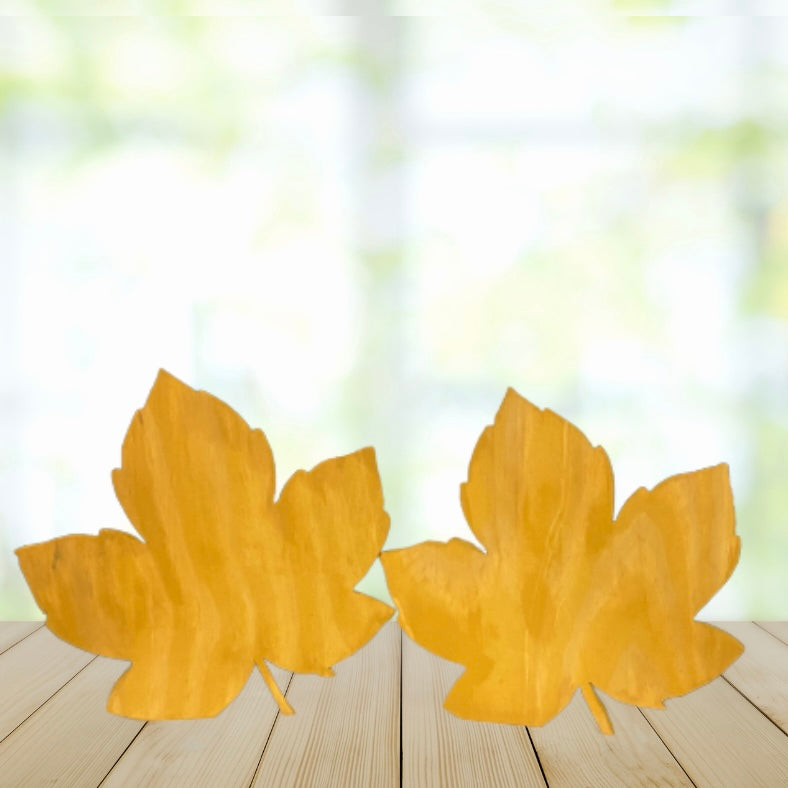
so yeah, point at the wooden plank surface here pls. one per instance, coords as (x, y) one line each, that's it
(721, 739)
(574, 752)
(345, 730)
(761, 673)
(222, 750)
(777, 628)
(55, 730)
(82, 739)
(31, 672)
(440, 749)
(11, 632)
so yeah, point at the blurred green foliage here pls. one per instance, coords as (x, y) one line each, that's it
(596, 216)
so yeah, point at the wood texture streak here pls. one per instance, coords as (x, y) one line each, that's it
(31, 672)
(82, 739)
(14, 631)
(566, 596)
(573, 753)
(226, 577)
(721, 739)
(761, 673)
(777, 628)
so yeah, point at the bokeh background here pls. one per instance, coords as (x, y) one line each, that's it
(361, 230)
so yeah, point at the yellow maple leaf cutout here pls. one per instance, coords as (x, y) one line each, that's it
(226, 577)
(566, 597)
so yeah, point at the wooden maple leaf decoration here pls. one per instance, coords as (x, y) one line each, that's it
(226, 577)
(566, 596)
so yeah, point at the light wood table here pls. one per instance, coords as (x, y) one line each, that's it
(379, 722)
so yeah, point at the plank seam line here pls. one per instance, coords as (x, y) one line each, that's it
(21, 640)
(776, 637)
(536, 754)
(125, 750)
(44, 703)
(401, 752)
(754, 705)
(664, 744)
(270, 733)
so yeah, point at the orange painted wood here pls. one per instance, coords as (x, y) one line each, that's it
(564, 595)
(226, 578)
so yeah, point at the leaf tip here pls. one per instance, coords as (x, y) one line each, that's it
(368, 456)
(514, 402)
(166, 384)
(27, 553)
(512, 396)
(163, 376)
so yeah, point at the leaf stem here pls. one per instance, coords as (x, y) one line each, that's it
(284, 706)
(597, 709)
